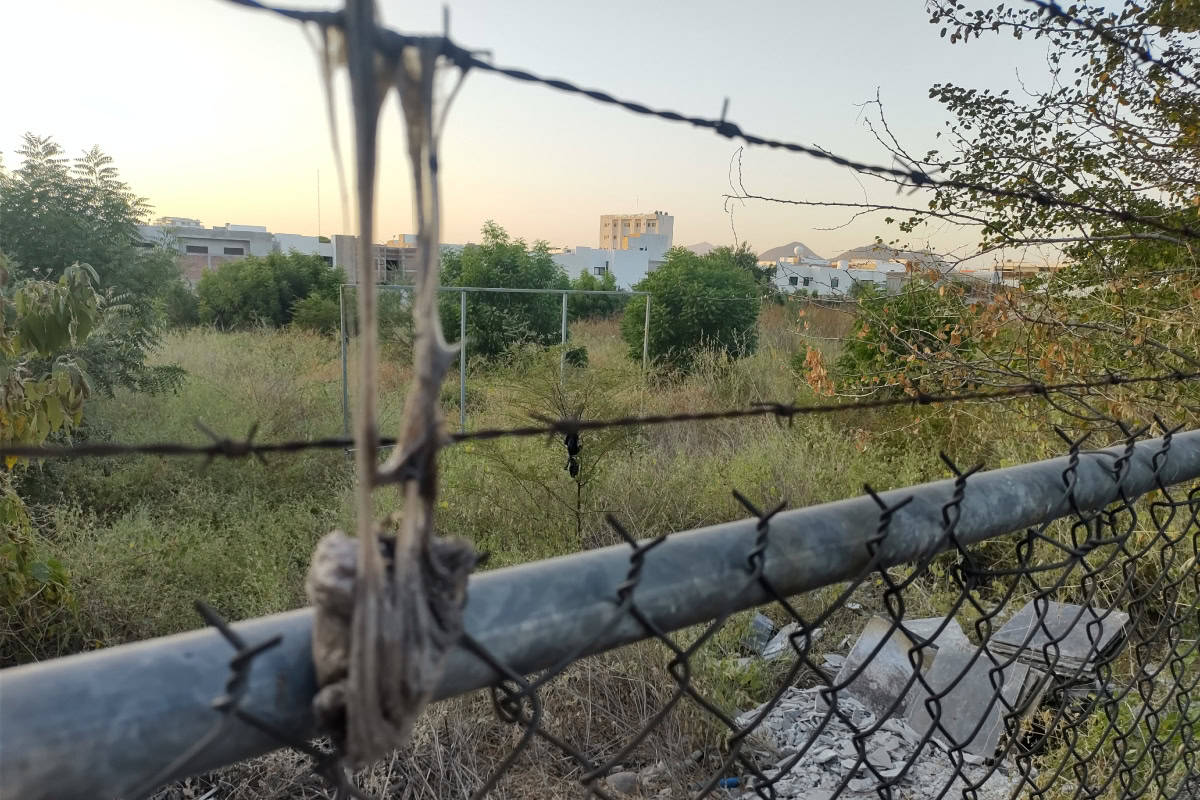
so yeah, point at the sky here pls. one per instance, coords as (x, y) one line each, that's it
(217, 112)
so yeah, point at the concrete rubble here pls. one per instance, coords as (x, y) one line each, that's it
(1063, 638)
(832, 757)
(971, 715)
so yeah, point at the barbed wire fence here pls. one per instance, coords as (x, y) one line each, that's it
(1075, 675)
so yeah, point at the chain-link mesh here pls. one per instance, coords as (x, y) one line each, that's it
(1062, 663)
(1088, 691)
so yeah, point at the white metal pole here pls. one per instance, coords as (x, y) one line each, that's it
(462, 361)
(646, 337)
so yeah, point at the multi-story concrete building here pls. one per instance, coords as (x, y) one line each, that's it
(394, 261)
(201, 249)
(653, 233)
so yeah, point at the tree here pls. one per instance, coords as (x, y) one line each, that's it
(743, 257)
(42, 391)
(264, 290)
(697, 302)
(582, 306)
(56, 211)
(497, 321)
(1096, 163)
(1110, 151)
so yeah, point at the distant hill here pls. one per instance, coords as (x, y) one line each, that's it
(787, 251)
(701, 248)
(882, 251)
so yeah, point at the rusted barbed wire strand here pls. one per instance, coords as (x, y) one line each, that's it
(390, 41)
(783, 411)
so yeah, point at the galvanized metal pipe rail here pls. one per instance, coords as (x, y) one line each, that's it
(94, 724)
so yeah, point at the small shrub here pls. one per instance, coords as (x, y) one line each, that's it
(263, 291)
(576, 356)
(908, 339)
(181, 306)
(595, 306)
(318, 313)
(697, 303)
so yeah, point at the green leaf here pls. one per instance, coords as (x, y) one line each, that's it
(40, 571)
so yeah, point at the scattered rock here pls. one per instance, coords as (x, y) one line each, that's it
(655, 773)
(781, 644)
(803, 722)
(697, 755)
(624, 782)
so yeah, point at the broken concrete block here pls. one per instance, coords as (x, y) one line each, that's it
(624, 782)
(780, 643)
(881, 654)
(969, 719)
(930, 772)
(1083, 636)
(926, 631)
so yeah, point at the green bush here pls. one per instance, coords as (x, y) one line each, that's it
(318, 313)
(576, 356)
(915, 338)
(582, 306)
(57, 212)
(264, 290)
(497, 321)
(181, 306)
(708, 302)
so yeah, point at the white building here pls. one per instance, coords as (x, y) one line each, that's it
(627, 266)
(827, 279)
(631, 246)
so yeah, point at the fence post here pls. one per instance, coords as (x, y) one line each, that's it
(646, 337)
(562, 359)
(462, 361)
(345, 377)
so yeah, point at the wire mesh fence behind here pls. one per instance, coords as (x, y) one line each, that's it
(1061, 662)
(947, 659)
(498, 326)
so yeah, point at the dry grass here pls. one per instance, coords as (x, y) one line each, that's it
(141, 537)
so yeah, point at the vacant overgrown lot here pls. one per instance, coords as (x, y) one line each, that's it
(142, 537)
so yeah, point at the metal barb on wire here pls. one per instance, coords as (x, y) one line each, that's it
(328, 766)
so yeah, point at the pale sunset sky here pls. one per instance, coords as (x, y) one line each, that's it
(216, 112)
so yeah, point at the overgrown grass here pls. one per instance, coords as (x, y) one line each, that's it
(142, 537)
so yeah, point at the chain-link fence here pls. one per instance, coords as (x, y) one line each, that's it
(1061, 661)
(498, 320)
